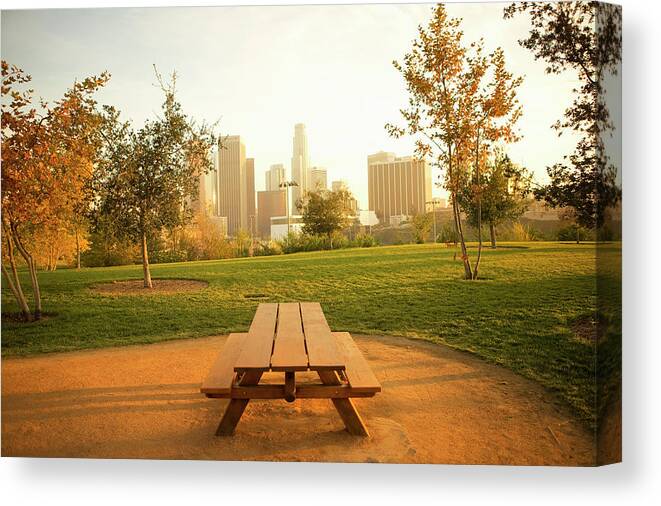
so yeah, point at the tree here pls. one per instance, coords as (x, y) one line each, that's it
(496, 111)
(47, 161)
(505, 187)
(461, 103)
(585, 37)
(149, 177)
(325, 212)
(422, 224)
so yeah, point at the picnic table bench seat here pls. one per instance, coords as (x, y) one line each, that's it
(290, 338)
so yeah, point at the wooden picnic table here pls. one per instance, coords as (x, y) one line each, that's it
(289, 338)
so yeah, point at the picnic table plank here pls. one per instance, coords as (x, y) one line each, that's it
(289, 348)
(358, 372)
(323, 353)
(221, 376)
(256, 352)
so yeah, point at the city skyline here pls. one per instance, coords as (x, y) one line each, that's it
(302, 69)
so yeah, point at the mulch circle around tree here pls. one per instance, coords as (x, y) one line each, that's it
(160, 287)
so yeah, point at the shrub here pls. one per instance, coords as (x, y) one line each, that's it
(364, 241)
(267, 248)
(518, 232)
(574, 231)
(293, 243)
(448, 233)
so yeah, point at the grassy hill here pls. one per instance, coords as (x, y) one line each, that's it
(532, 312)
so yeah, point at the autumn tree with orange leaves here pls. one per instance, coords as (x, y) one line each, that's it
(48, 155)
(462, 103)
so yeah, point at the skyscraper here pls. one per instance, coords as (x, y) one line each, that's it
(397, 186)
(232, 194)
(300, 162)
(318, 179)
(205, 202)
(273, 177)
(251, 211)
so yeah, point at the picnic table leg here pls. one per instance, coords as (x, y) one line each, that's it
(345, 407)
(236, 407)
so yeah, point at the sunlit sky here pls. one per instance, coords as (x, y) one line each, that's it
(260, 70)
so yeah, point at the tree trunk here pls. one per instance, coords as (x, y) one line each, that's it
(56, 256)
(32, 269)
(77, 250)
(492, 233)
(460, 232)
(145, 263)
(479, 205)
(14, 281)
(578, 235)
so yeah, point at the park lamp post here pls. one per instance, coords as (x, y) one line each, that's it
(433, 210)
(287, 185)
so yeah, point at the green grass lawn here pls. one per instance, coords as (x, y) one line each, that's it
(520, 316)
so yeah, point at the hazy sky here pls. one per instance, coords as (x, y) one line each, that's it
(260, 70)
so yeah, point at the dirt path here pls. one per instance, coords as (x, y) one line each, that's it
(437, 406)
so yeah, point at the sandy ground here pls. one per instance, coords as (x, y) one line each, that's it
(437, 406)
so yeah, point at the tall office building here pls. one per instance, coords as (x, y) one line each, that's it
(251, 210)
(397, 186)
(318, 179)
(206, 197)
(270, 204)
(300, 162)
(232, 191)
(273, 177)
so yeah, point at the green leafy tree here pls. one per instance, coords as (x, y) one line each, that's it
(505, 188)
(325, 212)
(422, 224)
(149, 177)
(585, 37)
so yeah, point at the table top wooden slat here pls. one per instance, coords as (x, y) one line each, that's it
(359, 373)
(323, 353)
(289, 347)
(221, 376)
(256, 352)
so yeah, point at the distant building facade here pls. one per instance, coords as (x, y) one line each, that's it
(207, 200)
(251, 210)
(318, 179)
(397, 186)
(273, 177)
(280, 224)
(340, 185)
(269, 204)
(232, 188)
